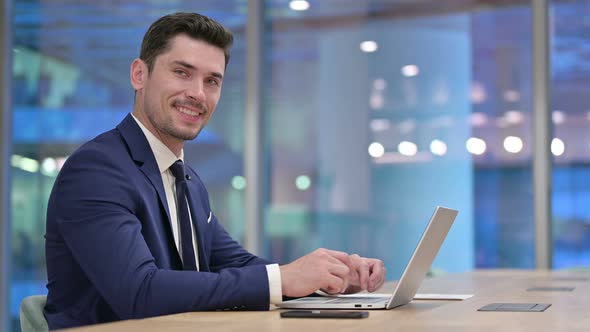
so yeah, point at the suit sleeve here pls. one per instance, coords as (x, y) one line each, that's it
(227, 253)
(94, 205)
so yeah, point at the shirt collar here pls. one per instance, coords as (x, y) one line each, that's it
(164, 156)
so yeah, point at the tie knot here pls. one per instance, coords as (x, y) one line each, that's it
(178, 170)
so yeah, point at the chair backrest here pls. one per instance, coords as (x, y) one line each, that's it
(31, 314)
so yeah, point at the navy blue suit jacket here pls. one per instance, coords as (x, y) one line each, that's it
(109, 245)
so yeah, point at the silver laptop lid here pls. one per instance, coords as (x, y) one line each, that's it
(425, 252)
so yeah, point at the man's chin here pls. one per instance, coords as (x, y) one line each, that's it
(188, 136)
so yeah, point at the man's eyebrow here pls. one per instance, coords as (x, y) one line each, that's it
(184, 64)
(191, 67)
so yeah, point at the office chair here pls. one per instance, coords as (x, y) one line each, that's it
(31, 314)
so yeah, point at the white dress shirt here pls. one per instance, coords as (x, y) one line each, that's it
(165, 158)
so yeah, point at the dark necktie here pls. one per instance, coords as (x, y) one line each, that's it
(184, 221)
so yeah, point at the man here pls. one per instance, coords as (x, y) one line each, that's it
(130, 232)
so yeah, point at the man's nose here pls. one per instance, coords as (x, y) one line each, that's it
(195, 92)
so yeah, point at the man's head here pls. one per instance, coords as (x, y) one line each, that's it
(157, 39)
(178, 76)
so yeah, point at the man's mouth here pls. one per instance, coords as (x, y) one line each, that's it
(187, 111)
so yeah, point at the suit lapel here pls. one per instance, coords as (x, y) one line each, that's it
(140, 151)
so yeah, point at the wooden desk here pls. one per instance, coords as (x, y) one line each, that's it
(569, 310)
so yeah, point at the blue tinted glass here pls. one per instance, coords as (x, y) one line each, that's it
(390, 115)
(71, 82)
(570, 67)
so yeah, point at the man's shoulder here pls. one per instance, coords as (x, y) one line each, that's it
(102, 164)
(104, 144)
(111, 141)
(106, 151)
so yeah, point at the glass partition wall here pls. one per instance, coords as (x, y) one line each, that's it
(570, 79)
(378, 112)
(70, 82)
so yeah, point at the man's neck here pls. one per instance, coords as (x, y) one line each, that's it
(174, 145)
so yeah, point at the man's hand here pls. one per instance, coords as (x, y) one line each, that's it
(366, 274)
(322, 269)
(333, 272)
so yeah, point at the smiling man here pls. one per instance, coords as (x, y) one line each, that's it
(178, 91)
(130, 232)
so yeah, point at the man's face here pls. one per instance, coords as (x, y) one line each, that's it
(180, 94)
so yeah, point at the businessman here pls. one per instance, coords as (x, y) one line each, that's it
(130, 231)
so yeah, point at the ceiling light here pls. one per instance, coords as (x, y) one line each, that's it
(407, 148)
(511, 96)
(410, 70)
(558, 117)
(238, 182)
(514, 117)
(557, 147)
(380, 124)
(303, 182)
(379, 84)
(438, 147)
(513, 144)
(299, 5)
(476, 146)
(478, 93)
(376, 150)
(478, 119)
(369, 46)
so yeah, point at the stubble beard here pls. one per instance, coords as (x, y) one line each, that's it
(168, 128)
(165, 125)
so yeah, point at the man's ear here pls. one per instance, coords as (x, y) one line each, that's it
(138, 74)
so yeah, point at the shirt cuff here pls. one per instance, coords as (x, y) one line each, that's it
(274, 283)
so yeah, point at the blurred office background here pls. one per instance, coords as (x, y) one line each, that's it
(373, 112)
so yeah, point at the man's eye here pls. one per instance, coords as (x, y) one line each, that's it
(180, 72)
(213, 82)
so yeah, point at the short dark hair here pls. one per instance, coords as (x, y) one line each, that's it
(157, 38)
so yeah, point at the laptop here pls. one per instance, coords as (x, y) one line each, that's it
(405, 290)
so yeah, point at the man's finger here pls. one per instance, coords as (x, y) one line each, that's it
(338, 269)
(377, 275)
(334, 285)
(362, 270)
(339, 255)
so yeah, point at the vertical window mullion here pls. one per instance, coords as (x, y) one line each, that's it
(254, 136)
(5, 145)
(542, 129)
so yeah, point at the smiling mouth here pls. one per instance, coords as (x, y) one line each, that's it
(187, 111)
